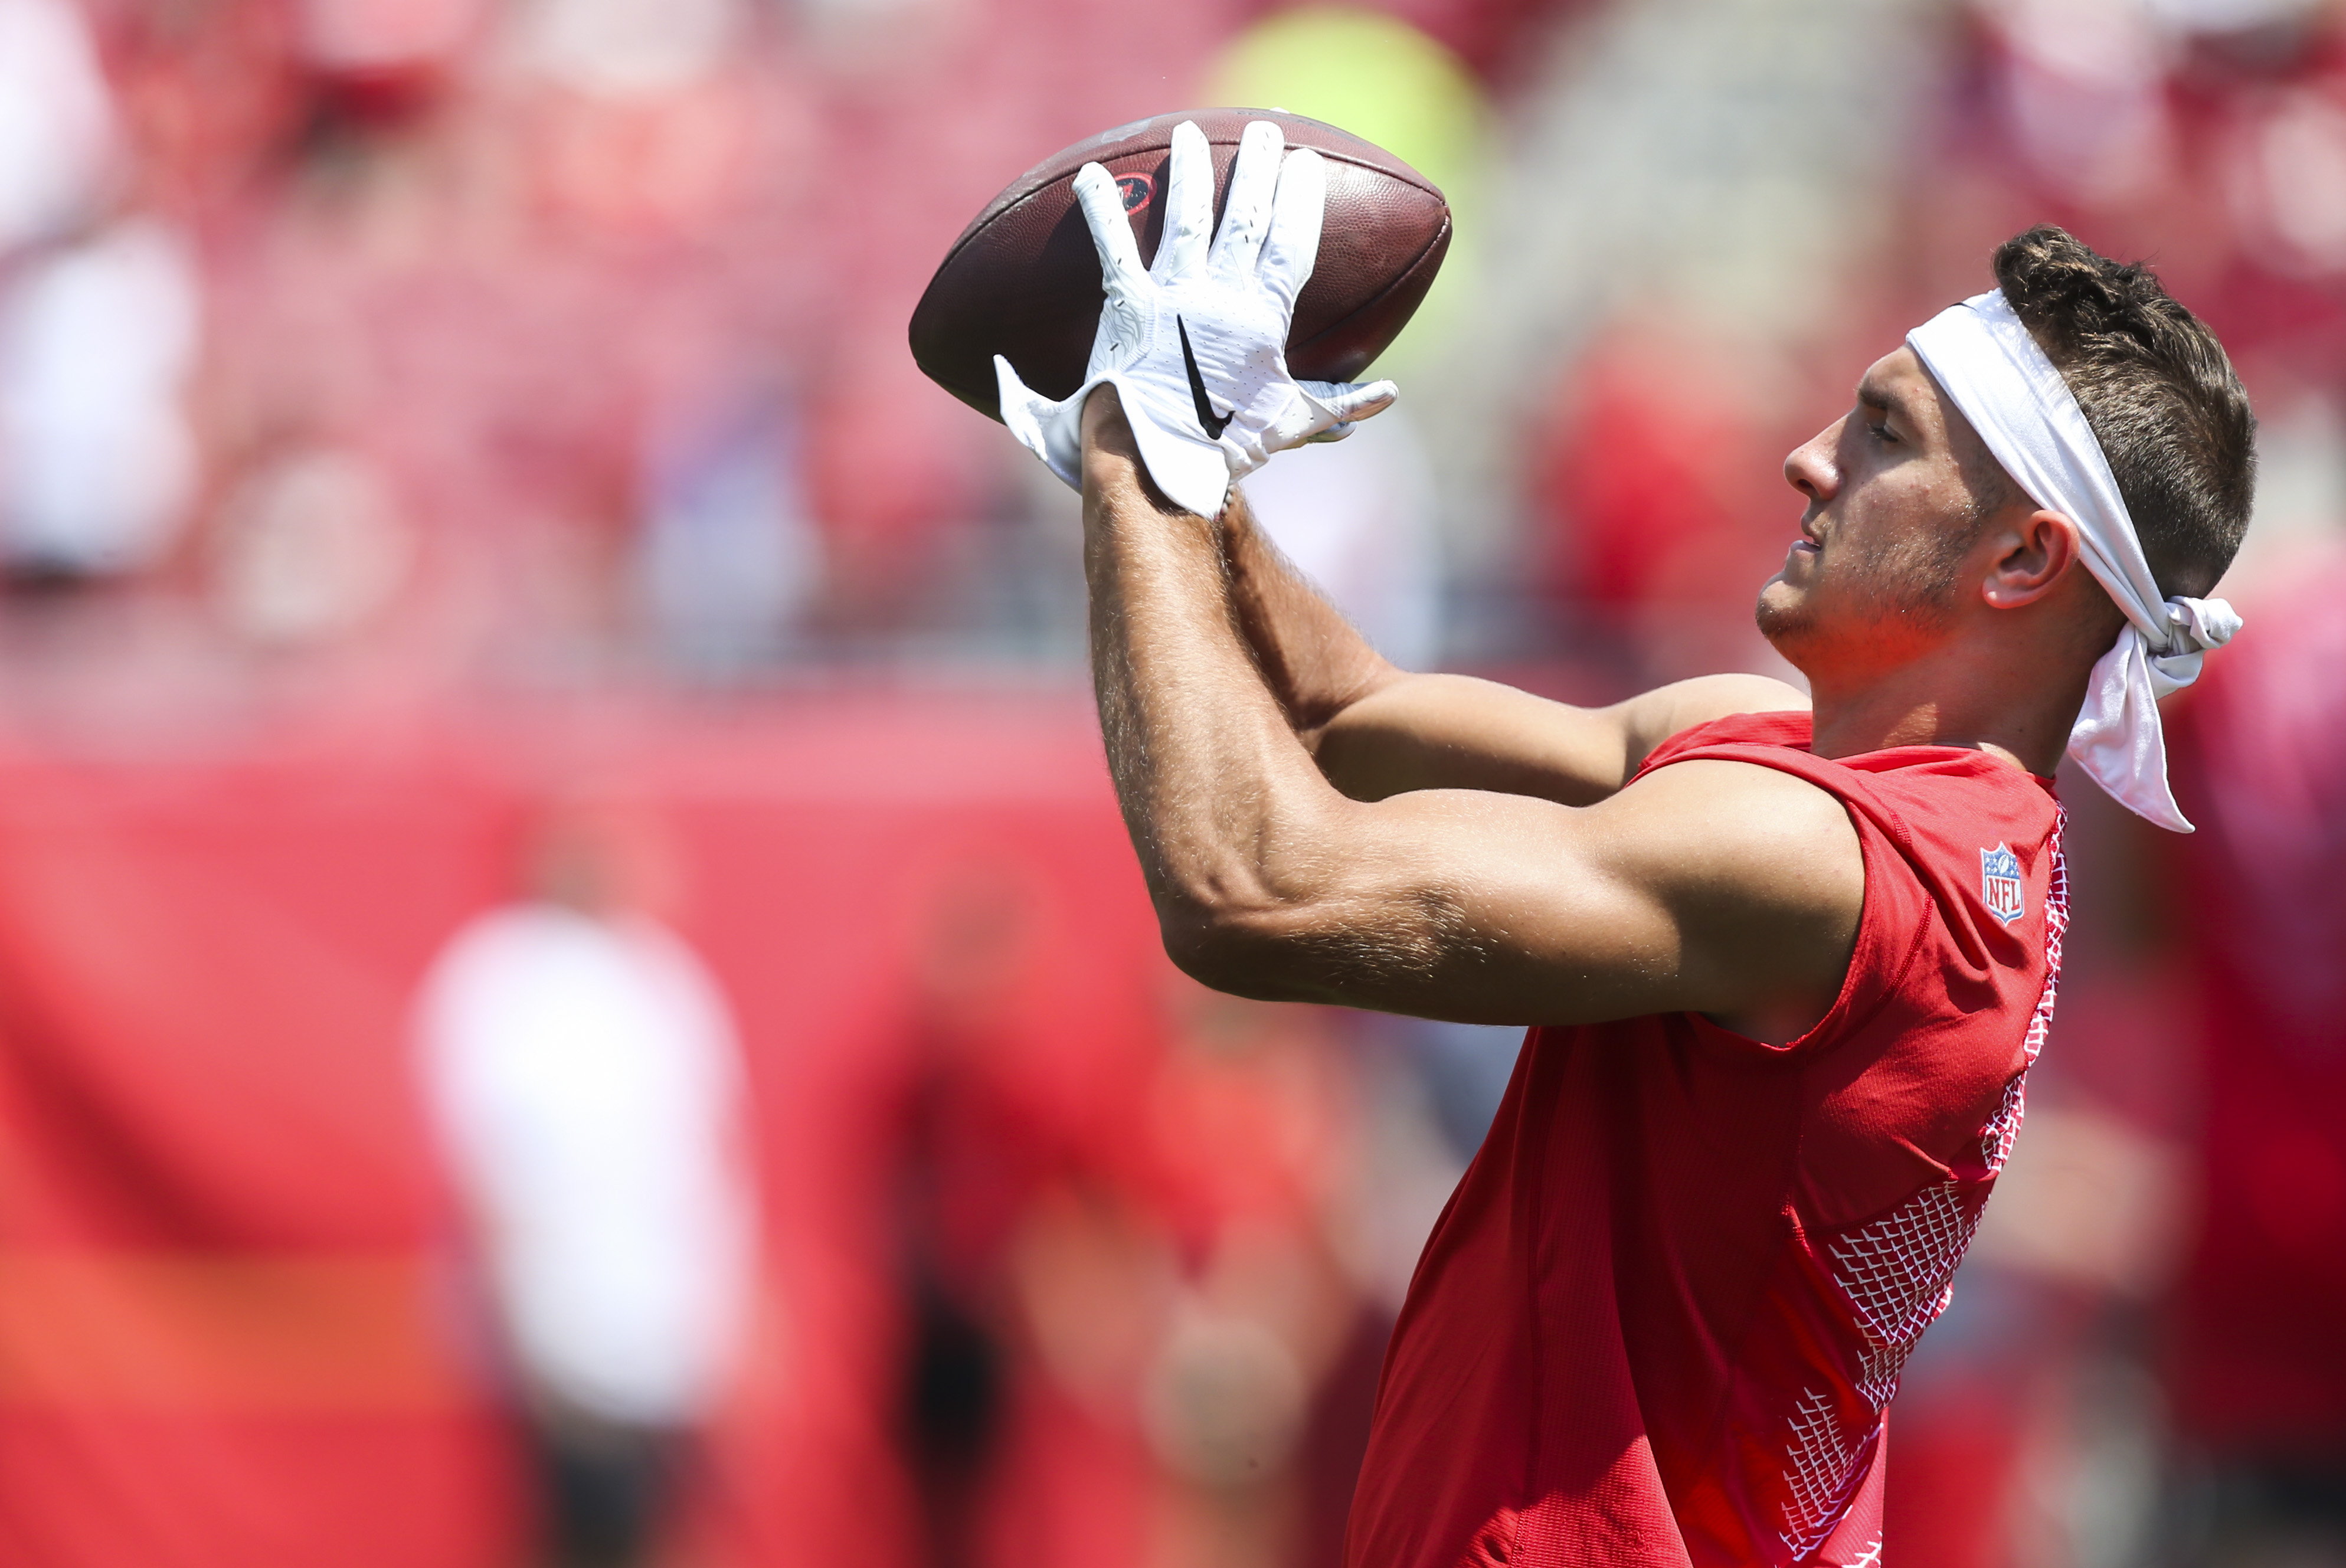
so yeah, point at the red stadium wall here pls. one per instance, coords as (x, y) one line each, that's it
(229, 1331)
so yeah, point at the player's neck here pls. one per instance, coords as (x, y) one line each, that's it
(1984, 699)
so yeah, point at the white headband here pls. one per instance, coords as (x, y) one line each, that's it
(1984, 359)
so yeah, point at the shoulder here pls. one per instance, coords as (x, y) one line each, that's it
(1738, 837)
(678, 968)
(500, 957)
(1748, 881)
(1655, 717)
(1708, 696)
(503, 935)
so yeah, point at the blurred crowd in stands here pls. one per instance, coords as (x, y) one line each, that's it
(565, 339)
(369, 358)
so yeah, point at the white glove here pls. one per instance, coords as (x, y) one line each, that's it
(1197, 347)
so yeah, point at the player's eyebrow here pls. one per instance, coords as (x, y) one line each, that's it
(1872, 395)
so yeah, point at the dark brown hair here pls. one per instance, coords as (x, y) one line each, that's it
(2158, 391)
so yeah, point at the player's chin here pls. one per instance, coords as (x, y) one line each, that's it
(1781, 613)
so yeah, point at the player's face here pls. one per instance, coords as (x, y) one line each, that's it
(1875, 572)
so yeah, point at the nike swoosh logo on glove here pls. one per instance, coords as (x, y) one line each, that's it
(1213, 425)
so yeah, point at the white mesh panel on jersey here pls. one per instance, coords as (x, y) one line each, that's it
(1824, 1475)
(1899, 1274)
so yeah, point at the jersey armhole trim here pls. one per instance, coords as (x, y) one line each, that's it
(1869, 954)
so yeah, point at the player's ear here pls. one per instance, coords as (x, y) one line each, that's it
(2032, 555)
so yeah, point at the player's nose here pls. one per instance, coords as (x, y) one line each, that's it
(1811, 469)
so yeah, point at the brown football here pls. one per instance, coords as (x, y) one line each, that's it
(1024, 281)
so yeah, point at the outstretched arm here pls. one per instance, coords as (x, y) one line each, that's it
(1193, 344)
(1378, 731)
(1717, 887)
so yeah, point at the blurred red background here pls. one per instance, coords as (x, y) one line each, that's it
(411, 410)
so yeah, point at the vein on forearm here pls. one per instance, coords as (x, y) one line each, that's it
(1313, 661)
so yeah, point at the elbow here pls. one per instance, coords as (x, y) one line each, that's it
(1231, 948)
(1342, 945)
(1258, 923)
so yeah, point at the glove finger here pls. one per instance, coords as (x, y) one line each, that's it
(1319, 407)
(1246, 215)
(1018, 411)
(1333, 433)
(1037, 422)
(1188, 206)
(1103, 204)
(1345, 401)
(1294, 243)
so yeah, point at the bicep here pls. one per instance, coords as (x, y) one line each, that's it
(1455, 732)
(1651, 717)
(1714, 887)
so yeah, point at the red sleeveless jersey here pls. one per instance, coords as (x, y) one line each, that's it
(1662, 1317)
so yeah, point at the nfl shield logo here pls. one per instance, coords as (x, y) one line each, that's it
(1999, 884)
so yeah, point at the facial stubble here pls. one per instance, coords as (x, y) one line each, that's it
(1898, 585)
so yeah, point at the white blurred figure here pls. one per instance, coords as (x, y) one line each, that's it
(97, 463)
(584, 1073)
(1357, 518)
(311, 548)
(99, 321)
(56, 122)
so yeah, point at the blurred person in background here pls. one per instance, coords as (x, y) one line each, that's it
(582, 1069)
(57, 132)
(1667, 1311)
(1117, 1339)
(98, 463)
(966, 1166)
(100, 314)
(2257, 1370)
(1254, 1120)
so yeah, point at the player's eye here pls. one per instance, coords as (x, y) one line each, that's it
(1882, 434)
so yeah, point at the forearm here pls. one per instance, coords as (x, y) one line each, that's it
(1311, 658)
(1210, 776)
(1452, 904)
(1377, 731)
(1453, 732)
